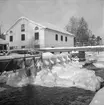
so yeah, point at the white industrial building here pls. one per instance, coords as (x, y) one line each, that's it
(25, 33)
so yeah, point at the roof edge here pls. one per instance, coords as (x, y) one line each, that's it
(25, 19)
(62, 32)
(19, 19)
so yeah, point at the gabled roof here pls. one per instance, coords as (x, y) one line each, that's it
(44, 25)
(55, 28)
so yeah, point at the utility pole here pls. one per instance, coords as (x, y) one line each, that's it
(0, 28)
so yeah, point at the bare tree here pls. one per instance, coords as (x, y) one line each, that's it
(79, 27)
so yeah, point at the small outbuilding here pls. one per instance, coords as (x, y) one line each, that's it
(3, 44)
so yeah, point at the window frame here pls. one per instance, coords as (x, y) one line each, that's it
(22, 38)
(56, 37)
(22, 46)
(61, 38)
(11, 31)
(22, 27)
(36, 28)
(66, 38)
(36, 35)
(11, 38)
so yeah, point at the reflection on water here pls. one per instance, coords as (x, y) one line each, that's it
(31, 95)
(26, 95)
(38, 95)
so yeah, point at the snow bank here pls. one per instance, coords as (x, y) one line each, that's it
(79, 77)
(98, 98)
(91, 55)
(97, 57)
(98, 65)
(67, 74)
(57, 70)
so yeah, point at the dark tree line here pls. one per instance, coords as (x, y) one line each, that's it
(83, 35)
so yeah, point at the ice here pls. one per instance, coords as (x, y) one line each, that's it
(47, 55)
(18, 79)
(67, 75)
(56, 70)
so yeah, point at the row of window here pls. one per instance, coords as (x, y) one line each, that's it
(23, 28)
(56, 38)
(15, 47)
(23, 37)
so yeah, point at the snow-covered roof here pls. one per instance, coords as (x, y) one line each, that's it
(44, 25)
(53, 27)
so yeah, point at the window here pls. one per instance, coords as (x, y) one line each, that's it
(66, 39)
(22, 46)
(56, 37)
(61, 38)
(11, 47)
(11, 38)
(37, 36)
(36, 28)
(11, 31)
(23, 37)
(37, 46)
(23, 27)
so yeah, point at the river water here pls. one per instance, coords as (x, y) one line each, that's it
(38, 95)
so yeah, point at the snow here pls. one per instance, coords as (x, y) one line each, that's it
(97, 57)
(98, 65)
(67, 75)
(47, 55)
(57, 70)
(98, 98)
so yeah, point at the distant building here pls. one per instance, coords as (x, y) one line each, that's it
(3, 44)
(25, 33)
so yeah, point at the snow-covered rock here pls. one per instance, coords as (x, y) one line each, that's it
(98, 98)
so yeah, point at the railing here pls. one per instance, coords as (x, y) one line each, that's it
(8, 63)
(68, 49)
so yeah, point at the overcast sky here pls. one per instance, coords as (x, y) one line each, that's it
(57, 12)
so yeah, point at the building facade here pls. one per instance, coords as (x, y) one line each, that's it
(28, 34)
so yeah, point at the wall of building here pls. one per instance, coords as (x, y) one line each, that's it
(29, 35)
(46, 36)
(50, 40)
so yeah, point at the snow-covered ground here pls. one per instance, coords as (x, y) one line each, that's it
(98, 57)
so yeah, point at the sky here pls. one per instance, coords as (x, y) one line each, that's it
(57, 12)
